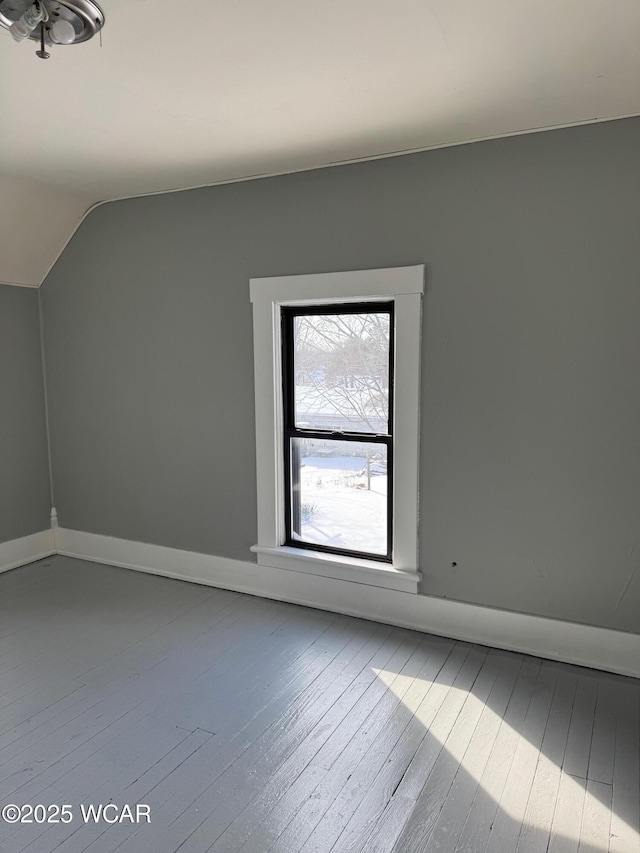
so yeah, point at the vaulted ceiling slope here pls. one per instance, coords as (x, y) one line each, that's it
(36, 222)
(210, 91)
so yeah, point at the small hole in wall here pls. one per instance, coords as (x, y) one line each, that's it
(453, 565)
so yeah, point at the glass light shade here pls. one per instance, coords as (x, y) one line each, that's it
(62, 32)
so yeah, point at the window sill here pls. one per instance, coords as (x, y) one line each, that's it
(339, 567)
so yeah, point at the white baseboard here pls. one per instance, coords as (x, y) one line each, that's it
(585, 645)
(28, 549)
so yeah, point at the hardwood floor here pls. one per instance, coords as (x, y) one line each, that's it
(251, 725)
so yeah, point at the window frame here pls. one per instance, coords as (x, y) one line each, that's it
(404, 286)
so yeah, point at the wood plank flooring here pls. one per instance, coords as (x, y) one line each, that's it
(251, 725)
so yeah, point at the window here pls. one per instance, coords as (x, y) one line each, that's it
(338, 428)
(337, 365)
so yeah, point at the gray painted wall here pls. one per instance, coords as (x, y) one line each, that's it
(530, 466)
(24, 467)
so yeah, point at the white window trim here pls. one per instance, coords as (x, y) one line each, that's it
(405, 286)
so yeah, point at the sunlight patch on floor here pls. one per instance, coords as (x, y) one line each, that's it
(522, 781)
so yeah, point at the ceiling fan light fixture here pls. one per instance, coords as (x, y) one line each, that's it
(57, 22)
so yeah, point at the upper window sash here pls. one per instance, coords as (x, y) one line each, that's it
(289, 366)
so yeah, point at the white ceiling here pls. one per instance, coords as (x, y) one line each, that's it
(192, 93)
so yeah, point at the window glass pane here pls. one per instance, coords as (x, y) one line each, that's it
(339, 494)
(341, 372)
